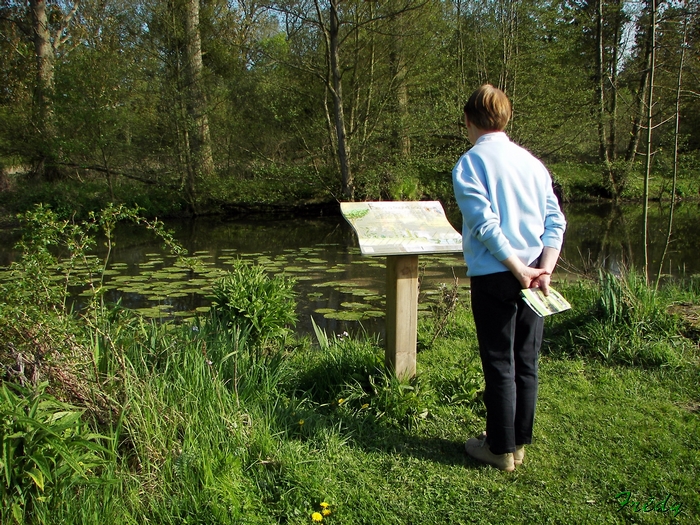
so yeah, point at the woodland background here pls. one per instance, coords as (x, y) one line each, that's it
(204, 103)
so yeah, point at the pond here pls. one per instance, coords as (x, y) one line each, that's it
(341, 289)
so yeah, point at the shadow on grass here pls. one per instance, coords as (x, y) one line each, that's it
(348, 392)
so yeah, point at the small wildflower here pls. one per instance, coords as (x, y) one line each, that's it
(195, 328)
(366, 405)
(324, 505)
(341, 401)
(316, 516)
(326, 512)
(301, 422)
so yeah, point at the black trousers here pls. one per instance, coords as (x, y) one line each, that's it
(510, 336)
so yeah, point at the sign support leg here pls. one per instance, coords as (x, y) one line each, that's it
(401, 314)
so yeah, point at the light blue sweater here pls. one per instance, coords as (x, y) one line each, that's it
(508, 205)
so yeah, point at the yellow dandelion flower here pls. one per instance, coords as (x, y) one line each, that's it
(326, 512)
(366, 405)
(324, 504)
(341, 401)
(301, 422)
(316, 516)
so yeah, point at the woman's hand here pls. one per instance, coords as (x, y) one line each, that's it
(527, 277)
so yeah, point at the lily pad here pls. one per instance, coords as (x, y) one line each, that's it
(325, 311)
(345, 316)
(355, 306)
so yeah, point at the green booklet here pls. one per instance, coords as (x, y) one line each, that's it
(545, 305)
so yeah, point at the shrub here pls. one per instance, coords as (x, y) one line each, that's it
(250, 300)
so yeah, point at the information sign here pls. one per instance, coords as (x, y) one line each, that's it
(401, 228)
(401, 231)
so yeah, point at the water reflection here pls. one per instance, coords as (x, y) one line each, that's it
(612, 238)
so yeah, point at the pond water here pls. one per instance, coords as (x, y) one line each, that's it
(336, 285)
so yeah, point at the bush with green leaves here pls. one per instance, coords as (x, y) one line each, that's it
(46, 447)
(249, 299)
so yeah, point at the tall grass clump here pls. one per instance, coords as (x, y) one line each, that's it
(621, 319)
(185, 432)
(346, 376)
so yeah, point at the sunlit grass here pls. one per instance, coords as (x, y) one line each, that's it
(212, 423)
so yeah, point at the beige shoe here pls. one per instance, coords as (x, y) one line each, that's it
(519, 455)
(479, 450)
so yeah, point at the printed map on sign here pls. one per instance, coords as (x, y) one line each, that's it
(400, 228)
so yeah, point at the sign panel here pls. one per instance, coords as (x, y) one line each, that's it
(401, 228)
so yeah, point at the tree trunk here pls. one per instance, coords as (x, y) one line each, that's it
(614, 59)
(600, 86)
(370, 93)
(507, 10)
(607, 112)
(348, 185)
(397, 60)
(46, 165)
(649, 119)
(676, 134)
(639, 113)
(202, 163)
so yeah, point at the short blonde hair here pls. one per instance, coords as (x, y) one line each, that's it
(488, 108)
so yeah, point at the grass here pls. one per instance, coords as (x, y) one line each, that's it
(207, 422)
(334, 428)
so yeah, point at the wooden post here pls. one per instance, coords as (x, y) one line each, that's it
(401, 314)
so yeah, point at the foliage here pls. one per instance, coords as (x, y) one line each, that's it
(249, 300)
(206, 428)
(46, 447)
(443, 309)
(36, 311)
(122, 103)
(74, 198)
(620, 319)
(349, 376)
(41, 336)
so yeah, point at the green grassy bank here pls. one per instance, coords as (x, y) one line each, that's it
(296, 190)
(231, 419)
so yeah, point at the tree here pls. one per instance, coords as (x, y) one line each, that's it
(201, 162)
(46, 44)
